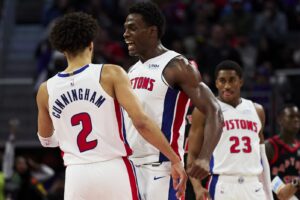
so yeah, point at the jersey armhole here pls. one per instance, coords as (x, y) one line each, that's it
(101, 65)
(99, 82)
(162, 73)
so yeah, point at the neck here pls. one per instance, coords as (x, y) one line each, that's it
(234, 103)
(152, 52)
(77, 61)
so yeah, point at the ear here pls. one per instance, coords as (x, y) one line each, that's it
(241, 82)
(153, 31)
(91, 46)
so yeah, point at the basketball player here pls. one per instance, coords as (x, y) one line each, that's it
(164, 81)
(239, 159)
(80, 111)
(283, 151)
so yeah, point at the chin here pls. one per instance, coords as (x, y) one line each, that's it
(227, 100)
(132, 53)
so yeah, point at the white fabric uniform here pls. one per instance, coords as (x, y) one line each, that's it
(236, 160)
(167, 107)
(89, 126)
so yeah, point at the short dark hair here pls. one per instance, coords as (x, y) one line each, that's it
(73, 32)
(229, 65)
(151, 15)
(283, 107)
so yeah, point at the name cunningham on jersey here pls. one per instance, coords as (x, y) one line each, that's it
(74, 95)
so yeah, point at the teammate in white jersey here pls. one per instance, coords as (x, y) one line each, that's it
(80, 112)
(164, 81)
(239, 166)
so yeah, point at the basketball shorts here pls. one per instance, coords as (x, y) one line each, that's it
(108, 180)
(223, 187)
(155, 182)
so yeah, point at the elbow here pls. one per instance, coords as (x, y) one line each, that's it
(215, 109)
(141, 123)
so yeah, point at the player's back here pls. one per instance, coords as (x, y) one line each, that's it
(237, 152)
(87, 121)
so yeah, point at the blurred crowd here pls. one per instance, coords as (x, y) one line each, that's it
(24, 176)
(261, 35)
(258, 34)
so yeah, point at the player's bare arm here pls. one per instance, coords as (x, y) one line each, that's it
(45, 126)
(179, 73)
(124, 93)
(196, 135)
(265, 176)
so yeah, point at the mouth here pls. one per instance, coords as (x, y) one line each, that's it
(227, 93)
(130, 45)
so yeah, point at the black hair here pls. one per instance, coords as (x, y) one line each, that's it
(283, 107)
(151, 15)
(229, 65)
(73, 32)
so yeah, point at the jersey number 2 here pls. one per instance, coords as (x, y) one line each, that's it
(86, 123)
(236, 142)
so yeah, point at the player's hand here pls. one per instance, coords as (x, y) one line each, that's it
(202, 194)
(199, 169)
(179, 179)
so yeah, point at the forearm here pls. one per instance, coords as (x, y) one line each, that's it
(151, 133)
(212, 131)
(196, 183)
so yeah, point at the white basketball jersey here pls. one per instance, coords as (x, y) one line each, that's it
(237, 152)
(165, 105)
(87, 121)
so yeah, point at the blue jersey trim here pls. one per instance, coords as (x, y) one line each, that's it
(172, 192)
(213, 184)
(211, 164)
(63, 75)
(168, 117)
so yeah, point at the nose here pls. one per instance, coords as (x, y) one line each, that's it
(296, 119)
(227, 85)
(125, 34)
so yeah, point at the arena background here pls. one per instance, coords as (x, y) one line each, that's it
(262, 35)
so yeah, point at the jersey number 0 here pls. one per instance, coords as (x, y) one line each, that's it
(86, 123)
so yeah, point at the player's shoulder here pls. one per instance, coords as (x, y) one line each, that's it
(43, 87)
(42, 91)
(112, 70)
(258, 107)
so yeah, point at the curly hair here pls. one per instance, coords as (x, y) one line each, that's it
(151, 14)
(73, 32)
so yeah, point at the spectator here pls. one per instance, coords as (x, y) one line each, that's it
(283, 151)
(216, 50)
(271, 24)
(239, 18)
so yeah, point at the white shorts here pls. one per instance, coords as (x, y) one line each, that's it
(109, 180)
(155, 182)
(223, 187)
